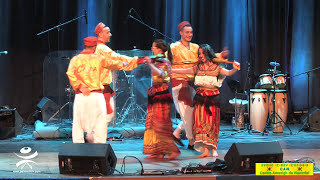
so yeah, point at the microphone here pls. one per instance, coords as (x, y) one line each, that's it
(128, 16)
(86, 16)
(130, 11)
(3, 52)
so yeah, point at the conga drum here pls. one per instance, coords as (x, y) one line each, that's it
(280, 81)
(265, 81)
(281, 102)
(240, 107)
(258, 108)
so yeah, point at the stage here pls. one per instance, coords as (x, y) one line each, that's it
(296, 146)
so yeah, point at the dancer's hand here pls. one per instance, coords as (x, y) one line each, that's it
(236, 65)
(148, 60)
(85, 90)
(125, 64)
(225, 53)
(142, 60)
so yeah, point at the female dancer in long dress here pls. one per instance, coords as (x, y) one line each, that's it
(158, 141)
(206, 102)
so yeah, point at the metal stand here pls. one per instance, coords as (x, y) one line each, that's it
(234, 86)
(131, 109)
(274, 115)
(62, 24)
(58, 27)
(306, 124)
(70, 103)
(151, 28)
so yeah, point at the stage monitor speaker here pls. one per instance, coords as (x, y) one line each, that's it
(10, 123)
(48, 108)
(314, 119)
(241, 157)
(87, 159)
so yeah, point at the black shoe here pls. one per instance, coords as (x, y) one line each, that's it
(178, 141)
(191, 147)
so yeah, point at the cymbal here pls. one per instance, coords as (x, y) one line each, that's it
(274, 64)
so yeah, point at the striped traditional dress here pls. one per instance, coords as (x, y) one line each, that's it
(158, 133)
(206, 103)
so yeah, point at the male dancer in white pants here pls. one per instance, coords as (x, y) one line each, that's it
(89, 110)
(185, 55)
(103, 33)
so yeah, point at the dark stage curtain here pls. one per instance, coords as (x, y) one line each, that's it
(6, 82)
(256, 32)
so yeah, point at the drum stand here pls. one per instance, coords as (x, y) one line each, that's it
(274, 116)
(130, 107)
(70, 103)
(306, 123)
(234, 86)
(247, 127)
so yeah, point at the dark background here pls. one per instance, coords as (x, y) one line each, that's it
(256, 32)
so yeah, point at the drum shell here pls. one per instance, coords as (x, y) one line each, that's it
(240, 106)
(265, 81)
(280, 80)
(258, 108)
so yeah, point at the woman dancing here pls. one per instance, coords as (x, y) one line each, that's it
(206, 102)
(158, 141)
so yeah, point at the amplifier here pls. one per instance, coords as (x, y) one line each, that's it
(10, 123)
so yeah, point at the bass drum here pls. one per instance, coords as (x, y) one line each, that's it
(258, 108)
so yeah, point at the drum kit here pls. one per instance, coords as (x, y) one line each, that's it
(130, 86)
(268, 104)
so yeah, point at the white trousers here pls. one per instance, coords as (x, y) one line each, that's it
(89, 115)
(185, 112)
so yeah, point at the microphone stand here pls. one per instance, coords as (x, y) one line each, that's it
(58, 54)
(151, 28)
(61, 24)
(306, 123)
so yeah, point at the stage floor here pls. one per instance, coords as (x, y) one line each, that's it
(295, 146)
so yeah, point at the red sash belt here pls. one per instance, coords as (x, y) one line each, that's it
(97, 91)
(108, 93)
(185, 93)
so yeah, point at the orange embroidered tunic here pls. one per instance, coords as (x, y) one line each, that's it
(183, 58)
(105, 51)
(86, 70)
